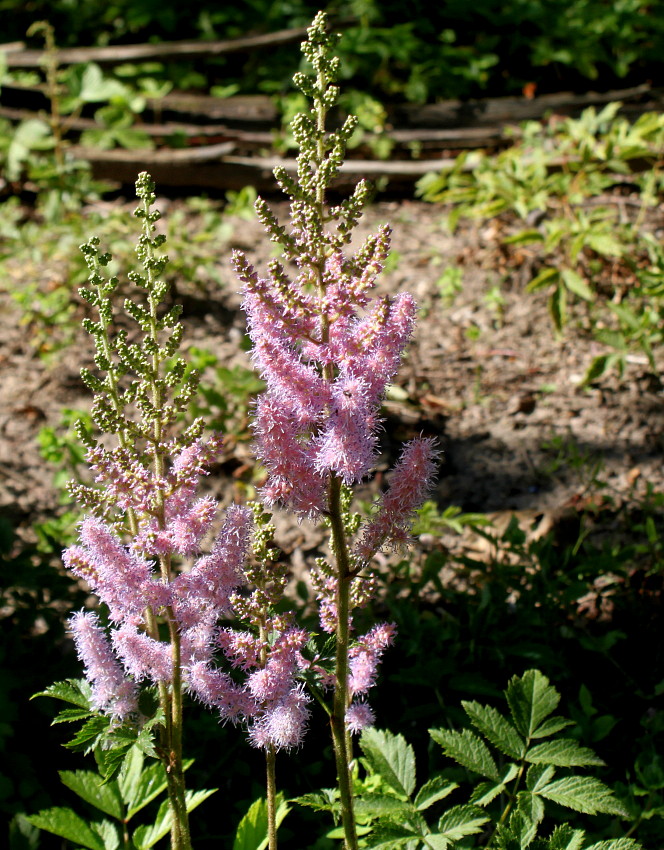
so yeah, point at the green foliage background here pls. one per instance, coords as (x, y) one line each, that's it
(417, 51)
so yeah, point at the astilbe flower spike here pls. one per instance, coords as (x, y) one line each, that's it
(144, 517)
(327, 350)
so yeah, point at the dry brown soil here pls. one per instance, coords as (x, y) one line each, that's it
(491, 381)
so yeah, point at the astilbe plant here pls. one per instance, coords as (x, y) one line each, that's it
(327, 351)
(144, 518)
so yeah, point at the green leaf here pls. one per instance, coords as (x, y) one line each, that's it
(522, 829)
(495, 728)
(145, 837)
(524, 237)
(67, 824)
(530, 806)
(326, 800)
(538, 776)
(550, 726)
(252, 831)
(468, 750)
(89, 786)
(616, 844)
(140, 785)
(89, 735)
(393, 836)
(557, 305)
(432, 791)
(598, 367)
(75, 691)
(485, 792)
(110, 759)
(531, 699)
(130, 776)
(565, 838)
(583, 794)
(69, 715)
(544, 278)
(576, 284)
(109, 834)
(391, 758)
(460, 821)
(383, 806)
(605, 244)
(564, 752)
(435, 841)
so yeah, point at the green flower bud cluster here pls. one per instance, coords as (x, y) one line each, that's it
(141, 385)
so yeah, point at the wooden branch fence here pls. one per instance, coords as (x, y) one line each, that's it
(229, 143)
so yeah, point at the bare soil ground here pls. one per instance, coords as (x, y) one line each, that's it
(517, 431)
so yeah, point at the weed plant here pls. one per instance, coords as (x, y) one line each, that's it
(575, 197)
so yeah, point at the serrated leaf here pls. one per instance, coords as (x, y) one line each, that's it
(151, 783)
(109, 834)
(75, 691)
(522, 828)
(485, 792)
(383, 806)
(468, 750)
(616, 844)
(538, 776)
(460, 821)
(550, 726)
(130, 776)
(496, 728)
(390, 836)
(88, 785)
(67, 824)
(88, 736)
(530, 806)
(435, 789)
(251, 833)
(531, 699)
(391, 758)
(565, 838)
(69, 715)
(583, 794)
(324, 801)
(110, 761)
(564, 752)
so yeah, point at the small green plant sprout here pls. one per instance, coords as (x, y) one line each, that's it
(524, 770)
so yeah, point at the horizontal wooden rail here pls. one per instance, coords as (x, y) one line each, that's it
(17, 56)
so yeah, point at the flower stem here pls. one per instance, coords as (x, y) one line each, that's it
(340, 702)
(271, 790)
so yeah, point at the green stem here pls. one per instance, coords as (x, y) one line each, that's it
(170, 698)
(342, 752)
(271, 790)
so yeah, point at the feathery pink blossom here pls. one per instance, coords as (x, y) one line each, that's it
(359, 716)
(411, 480)
(216, 688)
(112, 692)
(214, 577)
(283, 725)
(364, 656)
(142, 656)
(119, 576)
